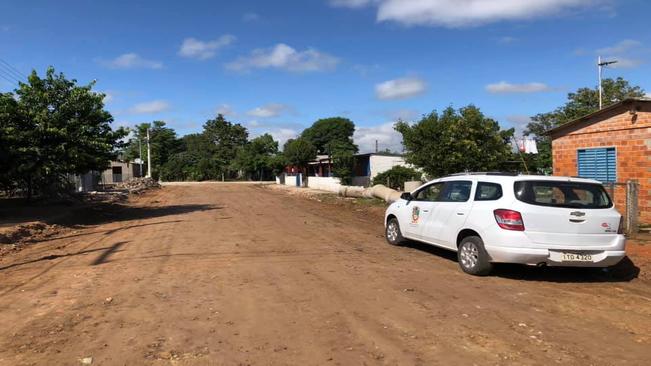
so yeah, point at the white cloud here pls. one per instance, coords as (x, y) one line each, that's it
(155, 106)
(519, 122)
(507, 40)
(284, 57)
(386, 136)
(465, 13)
(250, 17)
(400, 88)
(282, 135)
(628, 53)
(350, 3)
(225, 110)
(108, 97)
(131, 61)
(503, 88)
(620, 47)
(203, 50)
(268, 111)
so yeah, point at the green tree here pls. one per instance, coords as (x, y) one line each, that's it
(455, 141)
(327, 132)
(299, 152)
(397, 176)
(10, 158)
(342, 155)
(195, 161)
(256, 159)
(56, 128)
(226, 138)
(163, 143)
(579, 103)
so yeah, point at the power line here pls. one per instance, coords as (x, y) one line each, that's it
(12, 82)
(14, 70)
(8, 74)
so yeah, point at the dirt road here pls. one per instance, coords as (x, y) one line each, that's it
(236, 274)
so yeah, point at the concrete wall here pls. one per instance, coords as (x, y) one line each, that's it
(382, 163)
(330, 184)
(629, 133)
(290, 180)
(129, 171)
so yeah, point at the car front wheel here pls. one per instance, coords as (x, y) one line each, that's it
(392, 232)
(473, 258)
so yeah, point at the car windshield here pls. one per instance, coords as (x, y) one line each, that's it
(562, 194)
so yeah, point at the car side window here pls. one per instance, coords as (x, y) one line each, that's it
(430, 193)
(456, 191)
(488, 191)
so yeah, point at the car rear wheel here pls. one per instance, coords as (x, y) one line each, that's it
(473, 258)
(392, 232)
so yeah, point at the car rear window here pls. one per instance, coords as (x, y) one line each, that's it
(488, 191)
(562, 194)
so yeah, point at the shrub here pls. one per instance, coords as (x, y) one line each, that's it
(397, 176)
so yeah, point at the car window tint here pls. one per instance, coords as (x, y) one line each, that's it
(456, 191)
(488, 191)
(562, 194)
(430, 193)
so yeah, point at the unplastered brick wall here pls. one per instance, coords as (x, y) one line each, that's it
(629, 133)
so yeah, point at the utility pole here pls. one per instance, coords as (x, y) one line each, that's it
(600, 66)
(148, 156)
(140, 155)
(376, 147)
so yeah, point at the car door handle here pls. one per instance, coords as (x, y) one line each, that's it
(425, 210)
(460, 213)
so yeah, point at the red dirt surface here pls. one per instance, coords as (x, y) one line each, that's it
(238, 274)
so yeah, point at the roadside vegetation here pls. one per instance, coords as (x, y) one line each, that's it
(52, 128)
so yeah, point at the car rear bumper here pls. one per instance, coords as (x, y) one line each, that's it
(531, 256)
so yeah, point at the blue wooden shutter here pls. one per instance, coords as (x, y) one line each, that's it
(599, 164)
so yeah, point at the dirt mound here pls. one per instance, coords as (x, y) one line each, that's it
(137, 185)
(17, 236)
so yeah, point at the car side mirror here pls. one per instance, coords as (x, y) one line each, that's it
(406, 196)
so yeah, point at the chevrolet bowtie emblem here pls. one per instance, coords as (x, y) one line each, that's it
(577, 213)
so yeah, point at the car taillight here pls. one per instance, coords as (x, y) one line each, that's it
(509, 220)
(620, 230)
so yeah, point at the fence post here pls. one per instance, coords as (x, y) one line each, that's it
(632, 207)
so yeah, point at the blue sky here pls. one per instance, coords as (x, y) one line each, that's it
(277, 66)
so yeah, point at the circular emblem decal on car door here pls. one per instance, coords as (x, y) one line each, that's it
(415, 215)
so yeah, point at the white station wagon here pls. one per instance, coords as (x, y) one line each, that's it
(501, 218)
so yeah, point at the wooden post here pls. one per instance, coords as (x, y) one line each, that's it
(632, 224)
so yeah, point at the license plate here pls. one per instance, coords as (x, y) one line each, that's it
(576, 257)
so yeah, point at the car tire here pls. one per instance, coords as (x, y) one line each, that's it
(473, 258)
(393, 234)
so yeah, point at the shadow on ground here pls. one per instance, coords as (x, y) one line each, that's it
(624, 271)
(102, 258)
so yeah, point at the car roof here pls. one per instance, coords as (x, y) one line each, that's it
(512, 177)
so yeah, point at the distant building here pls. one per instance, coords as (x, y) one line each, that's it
(365, 167)
(118, 172)
(612, 145)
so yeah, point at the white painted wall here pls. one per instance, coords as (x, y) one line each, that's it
(324, 183)
(382, 163)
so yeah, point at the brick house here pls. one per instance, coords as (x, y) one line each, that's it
(612, 145)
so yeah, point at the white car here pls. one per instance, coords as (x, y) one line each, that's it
(504, 218)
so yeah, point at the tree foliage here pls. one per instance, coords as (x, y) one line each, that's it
(397, 176)
(299, 152)
(342, 155)
(325, 133)
(579, 103)
(50, 128)
(258, 158)
(455, 141)
(163, 143)
(220, 151)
